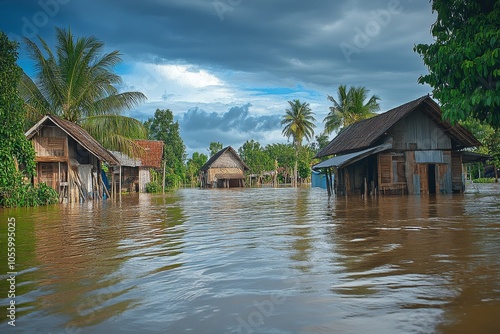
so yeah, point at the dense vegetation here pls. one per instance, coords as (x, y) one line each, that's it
(17, 157)
(464, 60)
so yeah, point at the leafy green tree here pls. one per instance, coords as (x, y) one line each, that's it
(17, 156)
(284, 155)
(299, 124)
(214, 147)
(77, 83)
(464, 60)
(350, 107)
(493, 144)
(255, 157)
(162, 127)
(193, 166)
(321, 141)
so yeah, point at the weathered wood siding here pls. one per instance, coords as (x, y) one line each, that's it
(457, 173)
(418, 132)
(392, 173)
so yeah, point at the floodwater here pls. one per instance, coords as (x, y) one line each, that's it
(256, 261)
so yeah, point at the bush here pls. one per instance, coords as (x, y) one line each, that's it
(484, 180)
(23, 194)
(153, 187)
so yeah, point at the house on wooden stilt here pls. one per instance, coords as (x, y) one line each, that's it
(69, 160)
(136, 173)
(407, 150)
(225, 169)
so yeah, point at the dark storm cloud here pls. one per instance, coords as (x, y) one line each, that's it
(297, 39)
(266, 45)
(236, 119)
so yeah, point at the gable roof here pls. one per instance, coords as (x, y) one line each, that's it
(366, 133)
(221, 152)
(76, 132)
(154, 153)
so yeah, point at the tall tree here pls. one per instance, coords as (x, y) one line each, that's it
(255, 157)
(299, 124)
(162, 127)
(17, 156)
(464, 60)
(76, 82)
(350, 107)
(193, 166)
(214, 147)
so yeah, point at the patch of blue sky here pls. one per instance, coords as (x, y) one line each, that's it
(266, 91)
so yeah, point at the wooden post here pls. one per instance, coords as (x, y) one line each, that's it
(120, 183)
(163, 183)
(366, 188)
(68, 177)
(328, 183)
(113, 192)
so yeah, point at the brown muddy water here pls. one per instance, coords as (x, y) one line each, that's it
(256, 261)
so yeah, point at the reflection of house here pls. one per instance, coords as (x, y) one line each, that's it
(225, 169)
(408, 149)
(68, 159)
(135, 173)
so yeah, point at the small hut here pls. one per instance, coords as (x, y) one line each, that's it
(135, 173)
(407, 150)
(225, 169)
(68, 159)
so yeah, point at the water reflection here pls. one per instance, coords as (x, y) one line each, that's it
(258, 261)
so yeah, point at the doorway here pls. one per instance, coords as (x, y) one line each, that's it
(431, 178)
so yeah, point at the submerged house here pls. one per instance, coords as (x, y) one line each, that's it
(135, 173)
(407, 150)
(68, 159)
(225, 169)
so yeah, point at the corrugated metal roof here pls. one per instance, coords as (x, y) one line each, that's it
(125, 160)
(218, 154)
(366, 133)
(347, 159)
(76, 132)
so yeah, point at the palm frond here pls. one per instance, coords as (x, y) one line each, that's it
(113, 130)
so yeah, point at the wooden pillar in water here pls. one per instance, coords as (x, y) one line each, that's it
(328, 182)
(120, 184)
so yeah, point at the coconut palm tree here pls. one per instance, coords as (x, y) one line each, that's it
(350, 107)
(298, 121)
(77, 83)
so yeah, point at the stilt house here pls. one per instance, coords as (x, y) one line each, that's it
(407, 150)
(135, 173)
(225, 169)
(68, 159)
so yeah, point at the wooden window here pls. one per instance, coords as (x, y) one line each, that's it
(392, 169)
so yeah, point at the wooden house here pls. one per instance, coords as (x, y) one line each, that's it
(135, 173)
(68, 159)
(407, 150)
(225, 169)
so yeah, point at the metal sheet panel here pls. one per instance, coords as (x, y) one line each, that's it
(432, 157)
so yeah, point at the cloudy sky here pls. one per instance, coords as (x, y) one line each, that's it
(226, 68)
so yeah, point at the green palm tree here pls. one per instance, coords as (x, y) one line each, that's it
(299, 124)
(350, 107)
(77, 83)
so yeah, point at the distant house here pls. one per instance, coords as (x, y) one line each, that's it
(225, 169)
(135, 173)
(68, 159)
(407, 150)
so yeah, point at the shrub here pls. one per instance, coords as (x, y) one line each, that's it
(153, 187)
(484, 180)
